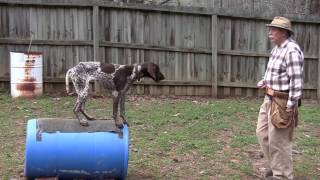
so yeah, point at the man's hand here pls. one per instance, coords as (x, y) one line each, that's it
(290, 112)
(289, 109)
(261, 84)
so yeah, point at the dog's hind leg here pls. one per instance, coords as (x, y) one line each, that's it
(116, 99)
(82, 89)
(122, 109)
(77, 111)
(82, 110)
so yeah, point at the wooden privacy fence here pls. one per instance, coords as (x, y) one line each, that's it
(218, 52)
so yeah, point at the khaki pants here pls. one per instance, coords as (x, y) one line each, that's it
(275, 143)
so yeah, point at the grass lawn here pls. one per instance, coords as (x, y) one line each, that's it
(172, 138)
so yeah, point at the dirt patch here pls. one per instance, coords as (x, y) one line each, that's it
(259, 164)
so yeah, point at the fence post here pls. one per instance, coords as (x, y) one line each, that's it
(214, 57)
(95, 28)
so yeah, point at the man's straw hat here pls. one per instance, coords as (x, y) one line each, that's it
(281, 22)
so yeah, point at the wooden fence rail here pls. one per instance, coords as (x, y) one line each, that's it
(202, 51)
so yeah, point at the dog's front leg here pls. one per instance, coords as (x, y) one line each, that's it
(116, 99)
(122, 109)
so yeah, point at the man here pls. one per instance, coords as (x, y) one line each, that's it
(283, 81)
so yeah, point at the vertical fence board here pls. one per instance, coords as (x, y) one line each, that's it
(214, 80)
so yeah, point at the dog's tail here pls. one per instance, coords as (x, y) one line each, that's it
(67, 82)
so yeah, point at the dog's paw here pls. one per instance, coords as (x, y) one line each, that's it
(124, 120)
(91, 118)
(120, 126)
(126, 123)
(119, 122)
(84, 123)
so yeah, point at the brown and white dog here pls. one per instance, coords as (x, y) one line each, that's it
(115, 77)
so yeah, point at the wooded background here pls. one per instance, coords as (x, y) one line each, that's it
(219, 48)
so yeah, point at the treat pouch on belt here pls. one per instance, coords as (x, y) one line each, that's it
(280, 118)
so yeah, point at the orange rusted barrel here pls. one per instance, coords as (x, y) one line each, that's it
(26, 74)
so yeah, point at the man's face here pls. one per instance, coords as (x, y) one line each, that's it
(277, 35)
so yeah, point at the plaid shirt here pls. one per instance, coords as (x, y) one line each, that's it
(285, 70)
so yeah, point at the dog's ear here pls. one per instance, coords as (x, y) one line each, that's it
(151, 68)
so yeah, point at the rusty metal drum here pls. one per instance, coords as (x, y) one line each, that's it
(26, 69)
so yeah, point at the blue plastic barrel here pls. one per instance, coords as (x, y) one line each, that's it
(75, 155)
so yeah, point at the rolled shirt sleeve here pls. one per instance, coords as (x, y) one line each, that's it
(295, 73)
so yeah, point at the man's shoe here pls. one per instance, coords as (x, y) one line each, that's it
(271, 178)
(268, 173)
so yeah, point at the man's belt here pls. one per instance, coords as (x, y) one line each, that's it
(279, 94)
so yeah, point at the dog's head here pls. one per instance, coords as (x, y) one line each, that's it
(152, 71)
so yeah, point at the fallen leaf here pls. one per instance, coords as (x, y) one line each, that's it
(175, 159)
(235, 161)
(176, 115)
(306, 135)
